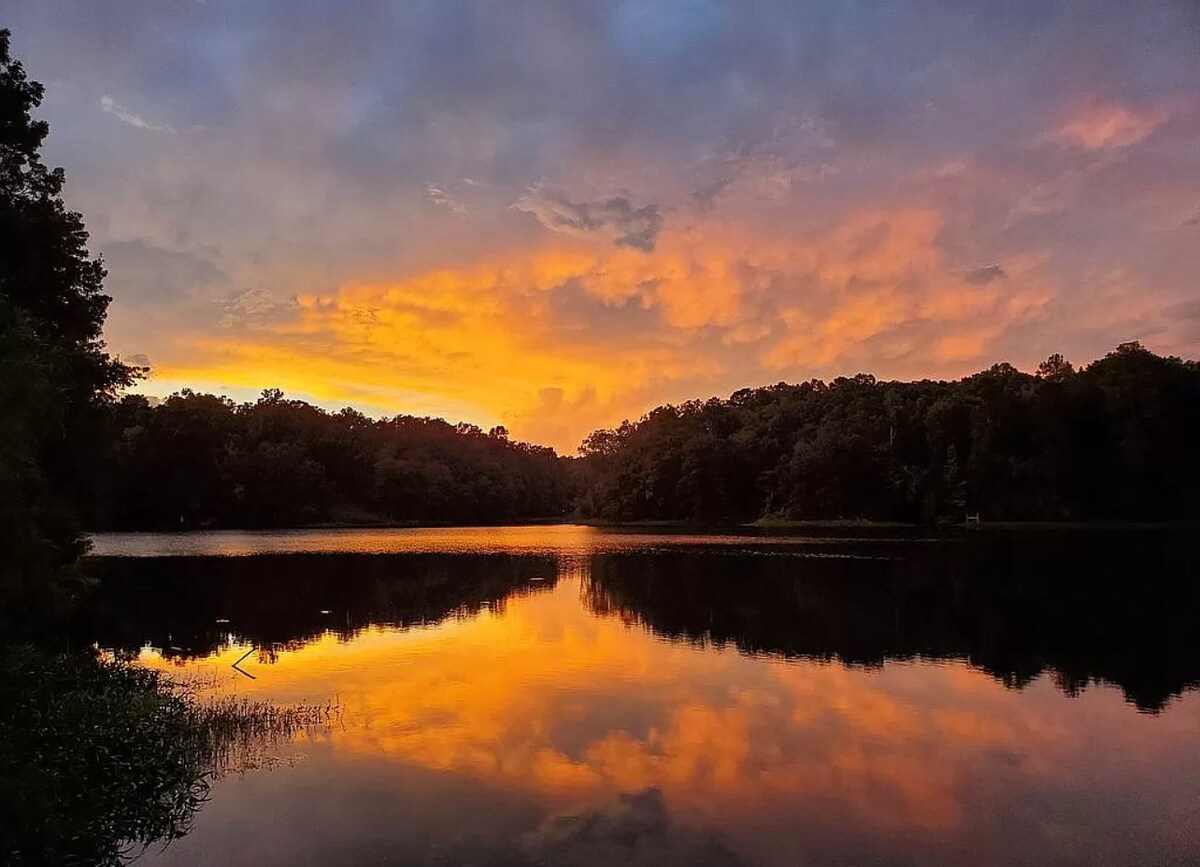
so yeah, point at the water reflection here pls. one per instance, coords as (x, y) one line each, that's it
(1085, 607)
(1087, 610)
(191, 607)
(559, 540)
(731, 706)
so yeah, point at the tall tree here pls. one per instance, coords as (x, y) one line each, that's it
(55, 375)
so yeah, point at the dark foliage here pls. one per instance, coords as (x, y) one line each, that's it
(55, 377)
(1086, 606)
(99, 759)
(191, 607)
(200, 460)
(1114, 441)
(1110, 442)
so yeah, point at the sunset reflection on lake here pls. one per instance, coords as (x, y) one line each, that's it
(569, 720)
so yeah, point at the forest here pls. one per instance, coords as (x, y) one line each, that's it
(199, 460)
(1110, 442)
(1115, 441)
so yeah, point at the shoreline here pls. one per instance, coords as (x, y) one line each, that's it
(759, 524)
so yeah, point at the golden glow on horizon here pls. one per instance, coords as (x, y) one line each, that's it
(556, 341)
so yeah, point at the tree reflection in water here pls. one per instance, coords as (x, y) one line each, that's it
(1086, 606)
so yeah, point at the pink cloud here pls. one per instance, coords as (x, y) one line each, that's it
(1105, 125)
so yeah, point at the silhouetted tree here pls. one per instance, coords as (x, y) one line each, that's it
(55, 377)
(1055, 367)
(1112, 441)
(201, 460)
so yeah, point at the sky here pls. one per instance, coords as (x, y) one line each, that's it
(555, 216)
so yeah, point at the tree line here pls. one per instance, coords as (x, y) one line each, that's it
(201, 460)
(1112, 441)
(1116, 440)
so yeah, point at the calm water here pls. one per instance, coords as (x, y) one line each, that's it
(565, 695)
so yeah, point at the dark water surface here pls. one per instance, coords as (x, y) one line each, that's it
(568, 695)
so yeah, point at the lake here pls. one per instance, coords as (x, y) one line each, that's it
(572, 695)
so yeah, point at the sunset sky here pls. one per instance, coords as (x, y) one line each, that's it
(556, 215)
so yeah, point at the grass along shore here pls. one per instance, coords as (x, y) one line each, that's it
(101, 758)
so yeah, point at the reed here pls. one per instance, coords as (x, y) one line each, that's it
(101, 758)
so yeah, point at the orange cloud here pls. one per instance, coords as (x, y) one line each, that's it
(485, 343)
(882, 273)
(556, 340)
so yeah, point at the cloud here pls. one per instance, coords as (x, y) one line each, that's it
(440, 197)
(706, 196)
(881, 295)
(1185, 310)
(792, 152)
(613, 217)
(1109, 125)
(111, 106)
(986, 274)
(141, 270)
(636, 830)
(507, 341)
(556, 341)
(256, 306)
(717, 200)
